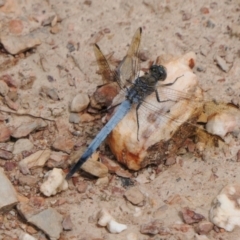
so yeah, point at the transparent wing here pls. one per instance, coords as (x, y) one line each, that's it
(129, 67)
(107, 74)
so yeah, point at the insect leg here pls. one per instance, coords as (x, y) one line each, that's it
(138, 106)
(170, 84)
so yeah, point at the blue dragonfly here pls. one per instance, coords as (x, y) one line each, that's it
(136, 89)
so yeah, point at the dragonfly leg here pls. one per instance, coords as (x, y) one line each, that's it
(170, 84)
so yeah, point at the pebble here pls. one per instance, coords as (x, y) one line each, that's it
(15, 26)
(48, 220)
(50, 92)
(3, 88)
(82, 187)
(26, 128)
(74, 118)
(21, 145)
(18, 44)
(55, 182)
(153, 228)
(67, 223)
(57, 159)
(37, 159)
(204, 227)
(5, 133)
(5, 155)
(26, 236)
(222, 63)
(134, 196)
(11, 104)
(8, 195)
(190, 217)
(64, 144)
(28, 180)
(200, 237)
(102, 181)
(79, 102)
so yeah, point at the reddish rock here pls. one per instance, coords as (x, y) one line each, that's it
(204, 10)
(190, 217)
(5, 155)
(153, 228)
(63, 144)
(170, 161)
(4, 133)
(9, 166)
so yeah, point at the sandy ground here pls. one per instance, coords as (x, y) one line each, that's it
(208, 28)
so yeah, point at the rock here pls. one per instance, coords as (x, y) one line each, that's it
(67, 223)
(5, 155)
(82, 187)
(153, 228)
(102, 181)
(36, 159)
(222, 63)
(134, 196)
(25, 128)
(225, 211)
(200, 237)
(8, 195)
(5, 133)
(3, 88)
(15, 26)
(79, 102)
(204, 227)
(64, 144)
(74, 118)
(170, 161)
(7, 146)
(21, 145)
(25, 236)
(50, 92)
(55, 183)
(105, 219)
(2, 2)
(190, 217)
(91, 166)
(9, 166)
(48, 220)
(57, 159)
(9, 80)
(28, 180)
(18, 44)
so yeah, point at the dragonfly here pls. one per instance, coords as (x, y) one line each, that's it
(136, 88)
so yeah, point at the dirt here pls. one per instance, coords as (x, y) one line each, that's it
(65, 62)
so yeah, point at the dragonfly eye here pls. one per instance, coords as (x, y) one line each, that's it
(159, 71)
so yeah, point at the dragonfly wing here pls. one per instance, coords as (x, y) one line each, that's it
(104, 68)
(129, 67)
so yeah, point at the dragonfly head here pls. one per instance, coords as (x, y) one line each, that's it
(159, 72)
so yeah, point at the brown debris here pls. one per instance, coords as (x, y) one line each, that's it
(190, 217)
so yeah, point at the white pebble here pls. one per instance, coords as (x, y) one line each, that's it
(55, 182)
(105, 219)
(225, 212)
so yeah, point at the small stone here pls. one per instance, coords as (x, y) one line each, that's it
(170, 161)
(186, 16)
(57, 159)
(50, 92)
(8, 195)
(153, 228)
(9, 80)
(64, 144)
(26, 128)
(5, 133)
(37, 159)
(21, 145)
(200, 237)
(9, 166)
(5, 155)
(48, 220)
(82, 187)
(204, 10)
(222, 63)
(13, 105)
(204, 227)
(18, 44)
(79, 102)
(31, 230)
(104, 95)
(74, 118)
(3, 88)
(25, 236)
(190, 217)
(134, 196)
(67, 223)
(102, 181)
(55, 29)
(28, 180)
